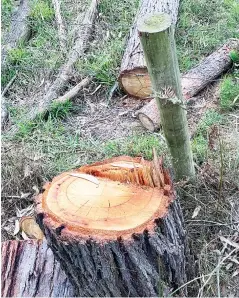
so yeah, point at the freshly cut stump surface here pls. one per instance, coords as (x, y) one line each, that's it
(115, 227)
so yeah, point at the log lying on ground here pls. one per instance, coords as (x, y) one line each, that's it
(82, 33)
(116, 228)
(19, 30)
(29, 269)
(192, 82)
(133, 76)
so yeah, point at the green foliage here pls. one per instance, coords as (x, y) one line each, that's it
(105, 54)
(41, 11)
(18, 55)
(138, 145)
(59, 110)
(200, 141)
(203, 26)
(210, 118)
(234, 55)
(199, 148)
(7, 74)
(229, 92)
(6, 7)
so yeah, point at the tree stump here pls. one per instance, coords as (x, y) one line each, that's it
(133, 76)
(29, 269)
(116, 228)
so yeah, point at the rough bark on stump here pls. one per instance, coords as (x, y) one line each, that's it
(116, 251)
(133, 76)
(29, 269)
(192, 82)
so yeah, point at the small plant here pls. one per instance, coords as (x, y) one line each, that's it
(17, 56)
(200, 148)
(229, 93)
(210, 118)
(234, 55)
(59, 110)
(7, 7)
(41, 11)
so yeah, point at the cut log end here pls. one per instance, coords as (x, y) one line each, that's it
(136, 83)
(157, 22)
(108, 200)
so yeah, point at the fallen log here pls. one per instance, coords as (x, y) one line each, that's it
(192, 82)
(82, 34)
(29, 269)
(18, 32)
(116, 228)
(133, 77)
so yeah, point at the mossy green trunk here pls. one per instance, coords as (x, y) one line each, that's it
(157, 38)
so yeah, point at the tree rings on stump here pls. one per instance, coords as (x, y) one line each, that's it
(115, 227)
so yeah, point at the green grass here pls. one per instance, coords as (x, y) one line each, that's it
(63, 149)
(203, 26)
(104, 56)
(41, 53)
(210, 118)
(200, 141)
(6, 9)
(229, 92)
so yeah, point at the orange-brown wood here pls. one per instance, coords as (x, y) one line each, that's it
(116, 197)
(136, 83)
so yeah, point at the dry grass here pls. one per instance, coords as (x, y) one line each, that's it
(217, 215)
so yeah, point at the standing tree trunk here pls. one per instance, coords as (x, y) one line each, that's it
(157, 39)
(116, 228)
(29, 269)
(134, 78)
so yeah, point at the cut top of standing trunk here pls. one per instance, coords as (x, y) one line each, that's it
(107, 200)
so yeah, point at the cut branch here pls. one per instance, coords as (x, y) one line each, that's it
(74, 91)
(29, 269)
(133, 76)
(111, 224)
(192, 82)
(60, 25)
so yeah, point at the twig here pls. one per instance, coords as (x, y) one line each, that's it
(96, 90)
(8, 85)
(74, 91)
(60, 25)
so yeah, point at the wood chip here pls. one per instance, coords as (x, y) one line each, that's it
(126, 165)
(17, 227)
(196, 211)
(86, 177)
(30, 228)
(228, 241)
